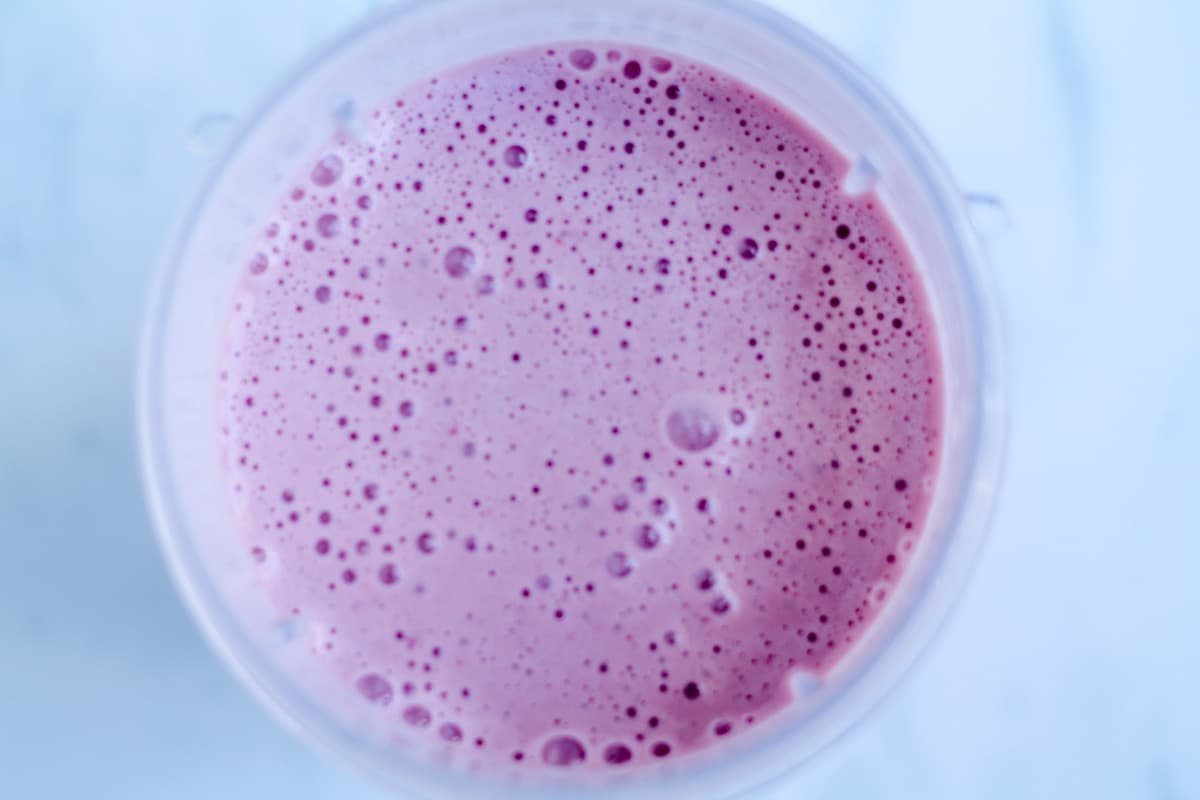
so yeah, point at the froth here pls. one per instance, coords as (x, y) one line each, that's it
(582, 406)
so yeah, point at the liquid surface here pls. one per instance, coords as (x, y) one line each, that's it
(574, 412)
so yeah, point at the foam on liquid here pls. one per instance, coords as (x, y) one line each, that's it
(576, 409)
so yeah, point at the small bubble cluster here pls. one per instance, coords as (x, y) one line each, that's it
(575, 407)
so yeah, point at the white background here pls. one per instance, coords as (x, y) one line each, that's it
(1069, 669)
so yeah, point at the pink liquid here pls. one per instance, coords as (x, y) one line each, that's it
(577, 410)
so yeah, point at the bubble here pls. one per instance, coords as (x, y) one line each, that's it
(878, 592)
(619, 564)
(737, 416)
(563, 751)
(647, 537)
(660, 64)
(382, 341)
(328, 225)
(407, 409)
(375, 688)
(322, 294)
(692, 429)
(721, 605)
(582, 59)
(258, 264)
(486, 284)
(515, 156)
(327, 170)
(459, 262)
(617, 754)
(706, 579)
(258, 554)
(620, 503)
(748, 249)
(417, 715)
(364, 202)
(388, 574)
(426, 543)
(450, 732)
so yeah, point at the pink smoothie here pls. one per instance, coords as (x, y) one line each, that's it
(577, 410)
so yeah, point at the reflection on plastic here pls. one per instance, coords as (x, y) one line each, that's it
(210, 132)
(348, 121)
(861, 178)
(989, 216)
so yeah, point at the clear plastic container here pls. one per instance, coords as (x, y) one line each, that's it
(362, 68)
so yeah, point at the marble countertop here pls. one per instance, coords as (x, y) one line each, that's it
(1069, 668)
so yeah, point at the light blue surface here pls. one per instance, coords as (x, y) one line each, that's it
(1069, 669)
